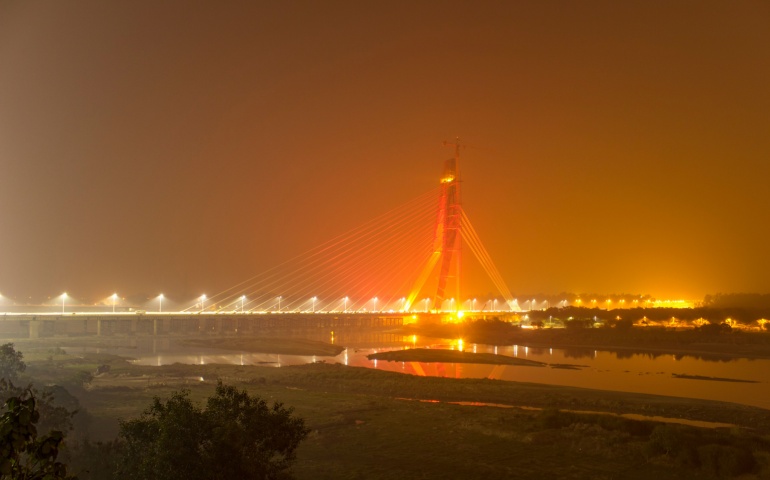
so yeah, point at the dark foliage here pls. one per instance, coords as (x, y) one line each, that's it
(714, 452)
(24, 455)
(235, 436)
(11, 363)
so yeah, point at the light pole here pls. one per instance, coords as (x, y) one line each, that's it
(203, 302)
(63, 298)
(114, 300)
(160, 303)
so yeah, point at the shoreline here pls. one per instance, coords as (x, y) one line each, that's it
(735, 345)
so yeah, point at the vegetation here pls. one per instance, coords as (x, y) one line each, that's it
(24, 455)
(361, 424)
(235, 436)
(618, 335)
(11, 363)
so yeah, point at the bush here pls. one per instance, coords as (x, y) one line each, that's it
(235, 436)
(23, 454)
(725, 460)
(11, 363)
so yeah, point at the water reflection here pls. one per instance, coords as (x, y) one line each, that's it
(626, 370)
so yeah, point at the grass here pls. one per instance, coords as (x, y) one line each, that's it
(361, 430)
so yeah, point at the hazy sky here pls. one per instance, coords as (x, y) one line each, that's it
(181, 147)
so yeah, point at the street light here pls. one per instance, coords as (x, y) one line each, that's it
(203, 302)
(114, 299)
(63, 298)
(160, 303)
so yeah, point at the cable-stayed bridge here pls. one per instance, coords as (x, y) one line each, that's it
(398, 267)
(408, 259)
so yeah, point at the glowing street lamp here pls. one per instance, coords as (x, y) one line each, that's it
(63, 298)
(114, 300)
(160, 303)
(203, 302)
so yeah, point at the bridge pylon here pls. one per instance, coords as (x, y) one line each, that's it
(447, 246)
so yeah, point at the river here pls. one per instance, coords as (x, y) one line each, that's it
(597, 369)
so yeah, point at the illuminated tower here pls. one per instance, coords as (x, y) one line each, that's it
(447, 241)
(448, 228)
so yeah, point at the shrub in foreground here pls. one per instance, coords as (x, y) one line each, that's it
(235, 436)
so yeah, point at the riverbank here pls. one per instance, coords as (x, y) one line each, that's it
(648, 340)
(367, 423)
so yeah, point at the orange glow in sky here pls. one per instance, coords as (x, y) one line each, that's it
(167, 146)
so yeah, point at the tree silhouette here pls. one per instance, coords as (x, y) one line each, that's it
(235, 436)
(24, 455)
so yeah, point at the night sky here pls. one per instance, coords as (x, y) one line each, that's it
(181, 147)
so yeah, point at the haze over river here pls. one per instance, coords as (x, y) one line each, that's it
(604, 370)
